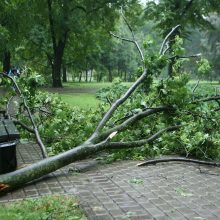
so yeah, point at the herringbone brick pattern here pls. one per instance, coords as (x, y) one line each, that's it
(124, 191)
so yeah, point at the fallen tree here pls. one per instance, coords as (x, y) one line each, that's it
(103, 136)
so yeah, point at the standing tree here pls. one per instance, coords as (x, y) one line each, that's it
(12, 28)
(62, 21)
(186, 13)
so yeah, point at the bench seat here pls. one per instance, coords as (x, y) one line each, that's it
(8, 131)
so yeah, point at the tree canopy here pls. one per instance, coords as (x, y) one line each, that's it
(74, 35)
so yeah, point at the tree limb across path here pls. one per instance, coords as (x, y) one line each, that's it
(101, 139)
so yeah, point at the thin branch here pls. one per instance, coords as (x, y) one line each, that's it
(135, 118)
(195, 87)
(138, 143)
(212, 98)
(109, 101)
(185, 57)
(23, 126)
(178, 159)
(116, 104)
(37, 135)
(167, 48)
(167, 37)
(121, 100)
(121, 38)
(127, 23)
(132, 41)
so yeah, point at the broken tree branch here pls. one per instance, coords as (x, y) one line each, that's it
(23, 125)
(167, 37)
(121, 100)
(116, 104)
(132, 41)
(185, 57)
(37, 135)
(24, 175)
(138, 143)
(135, 118)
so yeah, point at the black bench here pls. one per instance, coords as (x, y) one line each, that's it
(9, 137)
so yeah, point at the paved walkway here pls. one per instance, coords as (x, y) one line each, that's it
(124, 191)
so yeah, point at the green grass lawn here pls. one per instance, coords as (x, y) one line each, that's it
(82, 100)
(88, 100)
(47, 207)
(92, 85)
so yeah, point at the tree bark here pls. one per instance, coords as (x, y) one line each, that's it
(91, 75)
(86, 72)
(24, 175)
(59, 43)
(80, 76)
(125, 76)
(109, 74)
(64, 73)
(6, 61)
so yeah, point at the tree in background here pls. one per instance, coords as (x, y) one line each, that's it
(212, 43)
(60, 21)
(186, 13)
(12, 28)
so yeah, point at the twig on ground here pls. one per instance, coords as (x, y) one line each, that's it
(178, 159)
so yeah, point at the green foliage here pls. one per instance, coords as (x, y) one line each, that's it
(63, 127)
(177, 47)
(198, 136)
(60, 126)
(30, 82)
(45, 208)
(113, 92)
(204, 67)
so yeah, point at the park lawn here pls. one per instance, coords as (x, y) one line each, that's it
(47, 207)
(88, 100)
(91, 85)
(88, 85)
(82, 100)
(205, 87)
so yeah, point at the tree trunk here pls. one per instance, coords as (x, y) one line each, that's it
(43, 167)
(59, 43)
(86, 72)
(109, 74)
(91, 75)
(56, 77)
(6, 61)
(64, 73)
(125, 76)
(99, 77)
(57, 66)
(80, 76)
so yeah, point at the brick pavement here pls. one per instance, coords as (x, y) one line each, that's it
(124, 191)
